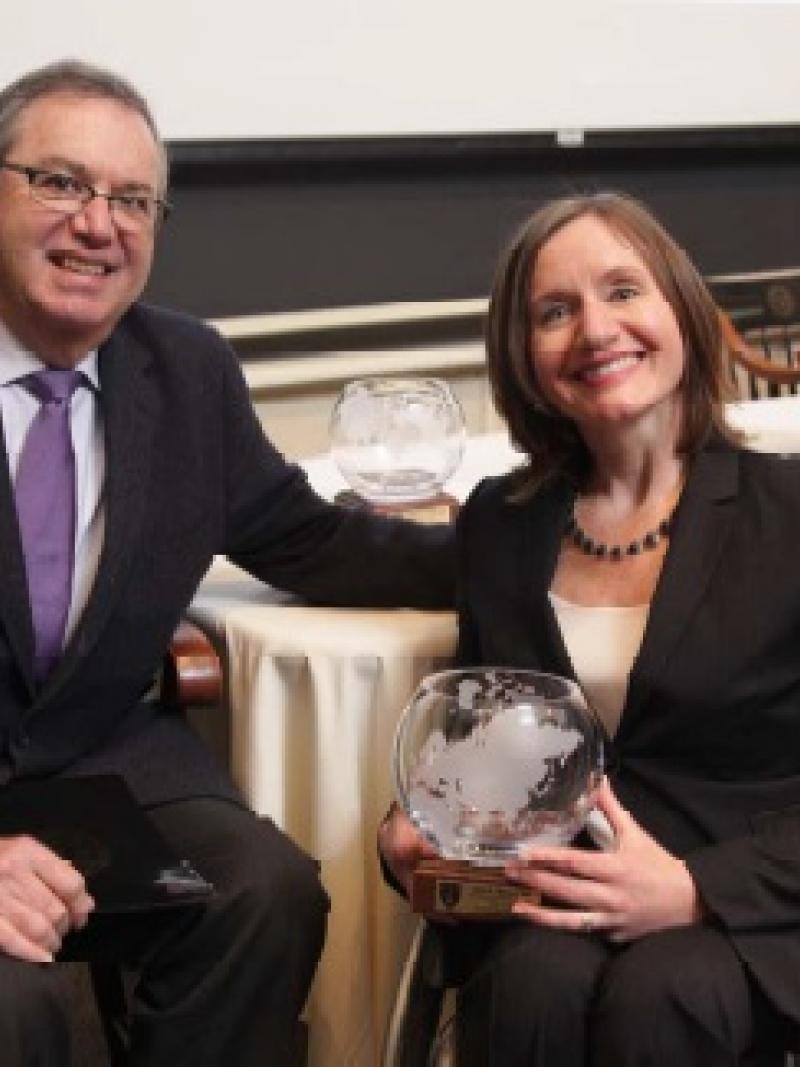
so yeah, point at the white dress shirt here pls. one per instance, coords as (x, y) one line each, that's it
(18, 407)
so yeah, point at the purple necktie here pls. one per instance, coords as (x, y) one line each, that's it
(45, 496)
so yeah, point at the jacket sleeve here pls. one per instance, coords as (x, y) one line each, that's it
(752, 882)
(468, 648)
(282, 532)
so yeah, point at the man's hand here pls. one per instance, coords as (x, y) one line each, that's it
(402, 846)
(635, 889)
(42, 898)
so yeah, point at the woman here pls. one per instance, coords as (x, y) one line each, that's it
(644, 552)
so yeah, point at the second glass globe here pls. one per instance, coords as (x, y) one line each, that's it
(489, 761)
(397, 440)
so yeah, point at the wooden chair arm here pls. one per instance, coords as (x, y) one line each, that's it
(755, 364)
(192, 673)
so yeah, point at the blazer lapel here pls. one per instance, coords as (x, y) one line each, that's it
(15, 611)
(549, 511)
(129, 406)
(702, 524)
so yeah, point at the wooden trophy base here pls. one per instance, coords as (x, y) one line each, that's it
(440, 508)
(463, 891)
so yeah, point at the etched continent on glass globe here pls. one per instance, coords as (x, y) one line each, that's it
(488, 761)
(397, 440)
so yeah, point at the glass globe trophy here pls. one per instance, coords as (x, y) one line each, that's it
(396, 441)
(487, 762)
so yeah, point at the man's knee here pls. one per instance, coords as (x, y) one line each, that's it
(276, 895)
(264, 881)
(290, 894)
(238, 969)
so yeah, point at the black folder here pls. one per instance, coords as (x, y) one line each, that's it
(96, 824)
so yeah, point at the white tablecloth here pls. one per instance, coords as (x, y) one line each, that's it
(314, 695)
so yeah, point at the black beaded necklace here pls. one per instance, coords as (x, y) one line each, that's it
(600, 550)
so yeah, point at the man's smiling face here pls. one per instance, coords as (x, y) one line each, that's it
(65, 280)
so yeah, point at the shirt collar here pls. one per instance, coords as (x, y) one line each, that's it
(16, 361)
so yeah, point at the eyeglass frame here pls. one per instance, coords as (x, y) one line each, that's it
(86, 193)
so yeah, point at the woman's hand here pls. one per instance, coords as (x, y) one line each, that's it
(402, 846)
(635, 889)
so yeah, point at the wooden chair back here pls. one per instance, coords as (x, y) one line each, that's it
(764, 361)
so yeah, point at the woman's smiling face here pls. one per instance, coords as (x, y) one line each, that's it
(605, 343)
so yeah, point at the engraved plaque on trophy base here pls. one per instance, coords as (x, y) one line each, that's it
(463, 891)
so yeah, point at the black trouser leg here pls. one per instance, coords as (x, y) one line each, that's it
(538, 998)
(526, 1001)
(34, 1026)
(221, 984)
(677, 997)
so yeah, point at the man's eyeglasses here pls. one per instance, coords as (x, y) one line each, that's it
(133, 212)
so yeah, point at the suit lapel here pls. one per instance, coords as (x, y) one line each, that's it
(702, 525)
(549, 511)
(129, 404)
(15, 611)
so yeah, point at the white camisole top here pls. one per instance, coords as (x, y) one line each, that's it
(602, 643)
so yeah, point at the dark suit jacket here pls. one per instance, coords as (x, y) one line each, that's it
(707, 755)
(188, 474)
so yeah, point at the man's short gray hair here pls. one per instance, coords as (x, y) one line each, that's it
(73, 77)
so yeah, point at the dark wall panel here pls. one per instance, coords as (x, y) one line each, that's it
(276, 229)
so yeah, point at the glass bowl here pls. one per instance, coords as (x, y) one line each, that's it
(397, 440)
(490, 761)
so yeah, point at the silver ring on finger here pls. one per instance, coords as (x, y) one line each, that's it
(587, 925)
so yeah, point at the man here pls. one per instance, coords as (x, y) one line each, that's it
(170, 467)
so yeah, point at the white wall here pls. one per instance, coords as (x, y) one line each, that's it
(272, 68)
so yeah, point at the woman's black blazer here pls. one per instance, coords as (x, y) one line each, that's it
(707, 754)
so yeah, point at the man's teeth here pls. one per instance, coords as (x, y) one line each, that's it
(608, 367)
(81, 266)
